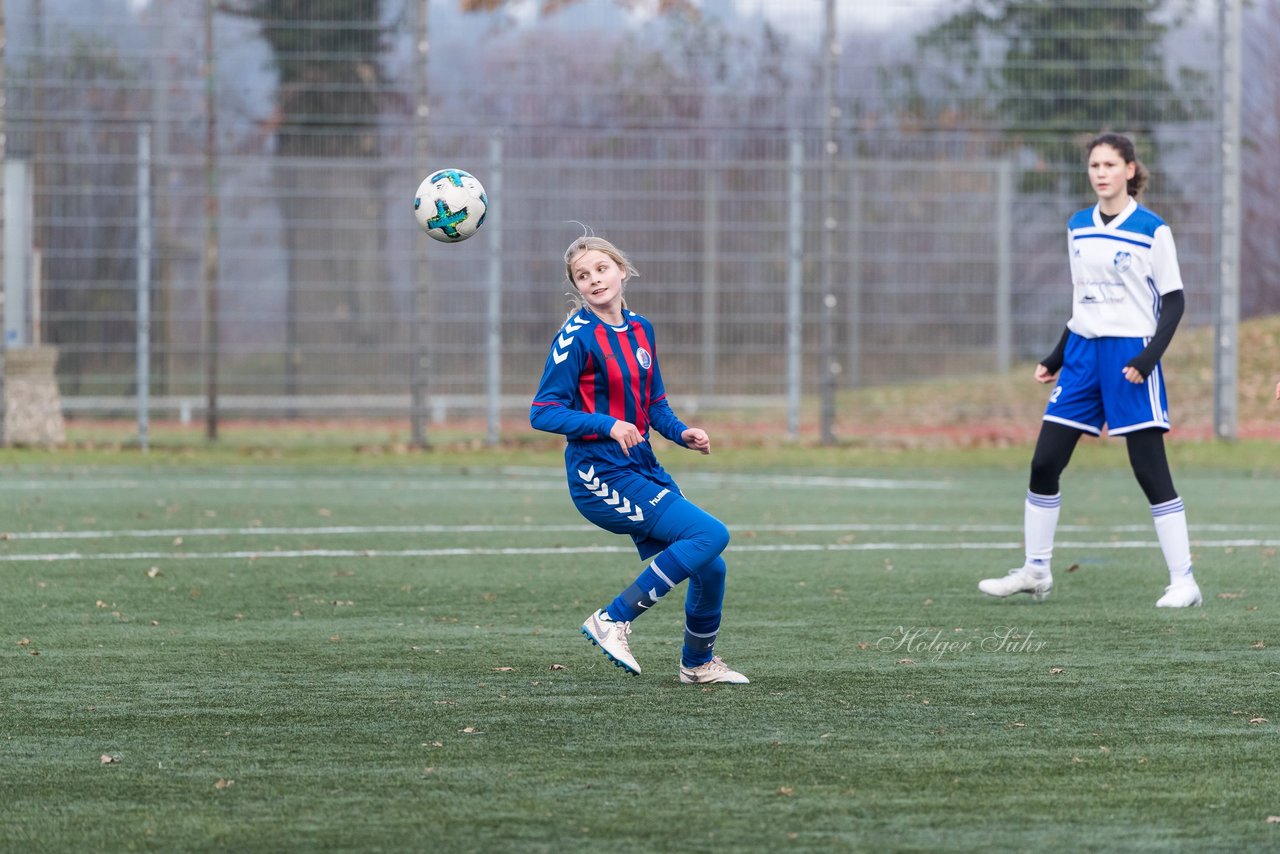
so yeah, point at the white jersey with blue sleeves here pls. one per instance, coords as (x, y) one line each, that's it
(1120, 270)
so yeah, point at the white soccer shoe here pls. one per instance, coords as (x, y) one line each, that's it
(611, 637)
(714, 670)
(1183, 595)
(1020, 580)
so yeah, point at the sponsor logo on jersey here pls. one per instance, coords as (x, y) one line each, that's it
(643, 357)
(1123, 260)
(653, 502)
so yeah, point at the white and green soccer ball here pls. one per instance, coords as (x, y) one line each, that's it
(450, 205)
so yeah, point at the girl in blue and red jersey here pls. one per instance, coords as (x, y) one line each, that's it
(602, 389)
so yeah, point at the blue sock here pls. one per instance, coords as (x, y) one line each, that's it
(702, 608)
(699, 640)
(649, 586)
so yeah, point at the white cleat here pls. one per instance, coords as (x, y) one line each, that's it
(1020, 580)
(1183, 595)
(714, 670)
(611, 637)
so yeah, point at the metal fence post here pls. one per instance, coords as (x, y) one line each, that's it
(710, 270)
(1004, 266)
(419, 323)
(830, 148)
(795, 276)
(212, 213)
(493, 219)
(143, 331)
(1226, 362)
(4, 164)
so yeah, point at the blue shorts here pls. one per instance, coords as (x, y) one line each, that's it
(623, 495)
(1092, 390)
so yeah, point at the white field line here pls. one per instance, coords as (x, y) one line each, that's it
(572, 550)
(358, 530)
(433, 482)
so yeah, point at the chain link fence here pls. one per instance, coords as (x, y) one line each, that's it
(209, 205)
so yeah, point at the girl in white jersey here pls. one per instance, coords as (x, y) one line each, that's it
(1127, 301)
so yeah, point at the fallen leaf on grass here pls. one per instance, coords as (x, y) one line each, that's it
(557, 667)
(1258, 721)
(1273, 819)
(1056, 670)
(153, 572)
(25, 642)
(224, 784)
(470, 730)
(109, 759)
(1228, 595)
(1258, 645)
(504, 670)
(786, 791)
(904, 661)
(1073, 567)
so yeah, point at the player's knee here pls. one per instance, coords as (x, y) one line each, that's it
(715, 536)
(714, 572)
(1045, 474)
(1156, 483)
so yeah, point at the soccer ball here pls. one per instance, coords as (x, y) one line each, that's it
(450, 205)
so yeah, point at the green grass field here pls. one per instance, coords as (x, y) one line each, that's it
(203, 653)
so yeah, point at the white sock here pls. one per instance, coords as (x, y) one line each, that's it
(1039, 524)
(1171, 530)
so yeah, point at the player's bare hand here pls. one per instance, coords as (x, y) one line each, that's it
(625, 434)
(1044, 375)
(696, 439)
(1133, 375)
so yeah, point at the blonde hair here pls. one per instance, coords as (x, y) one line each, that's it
(587, 243)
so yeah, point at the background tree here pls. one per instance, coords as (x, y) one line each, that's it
(87, 262)
(1048, 74)
(1260, 251)
(327, 54)
(330, 95)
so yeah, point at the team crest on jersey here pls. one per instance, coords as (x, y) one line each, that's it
(1123, 260)
(643, 357)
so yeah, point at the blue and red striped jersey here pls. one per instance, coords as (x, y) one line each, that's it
(597, 374)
